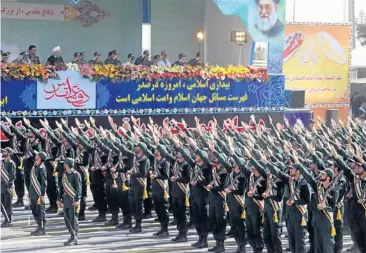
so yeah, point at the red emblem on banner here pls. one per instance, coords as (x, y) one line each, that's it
(19, 124)
(235, 125)
(89, 133)
(260, 123)
(207, 128)
(121, 131)
(3, 137)
(43, 133)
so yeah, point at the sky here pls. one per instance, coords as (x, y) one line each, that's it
(327, 11)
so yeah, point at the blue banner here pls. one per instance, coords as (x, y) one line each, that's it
(189, 96)
(143, 97)
(18, 95)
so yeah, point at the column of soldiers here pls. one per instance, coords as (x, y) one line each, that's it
(310, 179)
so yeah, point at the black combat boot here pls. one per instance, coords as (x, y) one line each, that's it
(71, 241)
(164, 231)
(113, 221)
(203, 243)
(183, 237)
(137, 228)
(100, 218)
(19, 203)
(197, 243)
(159, 232)
(220, 247)
(214, 247)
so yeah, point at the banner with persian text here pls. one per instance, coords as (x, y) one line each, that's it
(316, 59)
(75, 95)
(86, 12)
(72, 91)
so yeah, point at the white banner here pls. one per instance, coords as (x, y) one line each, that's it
(72, 91)
(32, 11)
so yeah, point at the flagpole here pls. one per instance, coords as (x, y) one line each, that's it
(293, 12)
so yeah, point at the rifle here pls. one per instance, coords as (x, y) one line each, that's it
(271, 182)
(28, 148)
(332, 187)
(176, 170)
(293, 190)
(96, 161)
(253, 185)
(197, 174)
(78, 155)
(213, 182)
(233, 181)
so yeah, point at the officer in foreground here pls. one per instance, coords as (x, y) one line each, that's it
(69, 195)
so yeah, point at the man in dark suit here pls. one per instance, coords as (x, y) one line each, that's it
(267, 22)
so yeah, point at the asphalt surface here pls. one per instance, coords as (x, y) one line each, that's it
(97, 238)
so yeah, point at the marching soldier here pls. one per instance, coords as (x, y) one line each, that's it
(37, 191)
(7, 186)
(296, 205)
(46, 141)
(17, 156)
(81, 165)
(339, 211)
(31, 145)
(217, 199)
(180, 178)
(69, 195)
(138, 184)
(109, 171)
(97, 184)
(235, 188)
(254, 204)
(126, 163)
(67, 148)
(324, 230)
(357, 180)
(272, 213)
(159, 181)
(201, 178)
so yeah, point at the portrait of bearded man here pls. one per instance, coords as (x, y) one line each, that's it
(267, 22)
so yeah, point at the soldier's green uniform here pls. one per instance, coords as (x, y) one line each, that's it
(17, 156)
(160, 190)
(138, 186)
(300, 195)
(180, 178)
(34, 59)
(217, 201)
(37, 189)
(125, 163)
(7, 187)
(50, 165)
(202, 176)
(70, 194)
(272, 209)
(323, 221)
(236, 183)
(339, 211)
(358, 210)
(111, 60)
(95, 62)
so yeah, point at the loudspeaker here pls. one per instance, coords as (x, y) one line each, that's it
(332, 114)
(294, 98)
